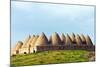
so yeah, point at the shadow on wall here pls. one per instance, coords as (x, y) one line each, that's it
(35, 43)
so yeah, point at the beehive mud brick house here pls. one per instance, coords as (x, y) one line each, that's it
(36, 43)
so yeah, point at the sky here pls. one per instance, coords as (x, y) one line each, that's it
(28, 18)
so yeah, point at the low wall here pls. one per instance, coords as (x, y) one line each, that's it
(58, 47)
(63, 47)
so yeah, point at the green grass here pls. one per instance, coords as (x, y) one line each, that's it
(50, 57)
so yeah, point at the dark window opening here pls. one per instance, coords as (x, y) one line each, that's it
(33, 51)
(25, 53)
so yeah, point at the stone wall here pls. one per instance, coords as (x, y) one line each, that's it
(65, 42)
(58, 47)
(66, 47)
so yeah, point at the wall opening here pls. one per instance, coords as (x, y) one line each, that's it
(25, 53)
(33, 51)
(17, 52)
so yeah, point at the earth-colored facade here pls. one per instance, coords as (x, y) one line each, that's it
(40, 42)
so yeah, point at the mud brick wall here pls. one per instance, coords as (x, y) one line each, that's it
(68, 47)
(24, 51)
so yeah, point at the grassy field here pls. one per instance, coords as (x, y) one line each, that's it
(50, 57)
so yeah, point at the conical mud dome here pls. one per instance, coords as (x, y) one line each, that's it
(68, 40)
(83, 39)
(30, 41)
(88, 40)
(26, 41)
(37, 43)
(42, 40)
(73, 38)
(18, 45)
(63, 38)
(55, 39)
(78, 40)
(34, 40)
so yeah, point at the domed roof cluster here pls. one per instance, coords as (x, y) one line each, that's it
(54, 40)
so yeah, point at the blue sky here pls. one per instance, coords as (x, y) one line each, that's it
(34, 18)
